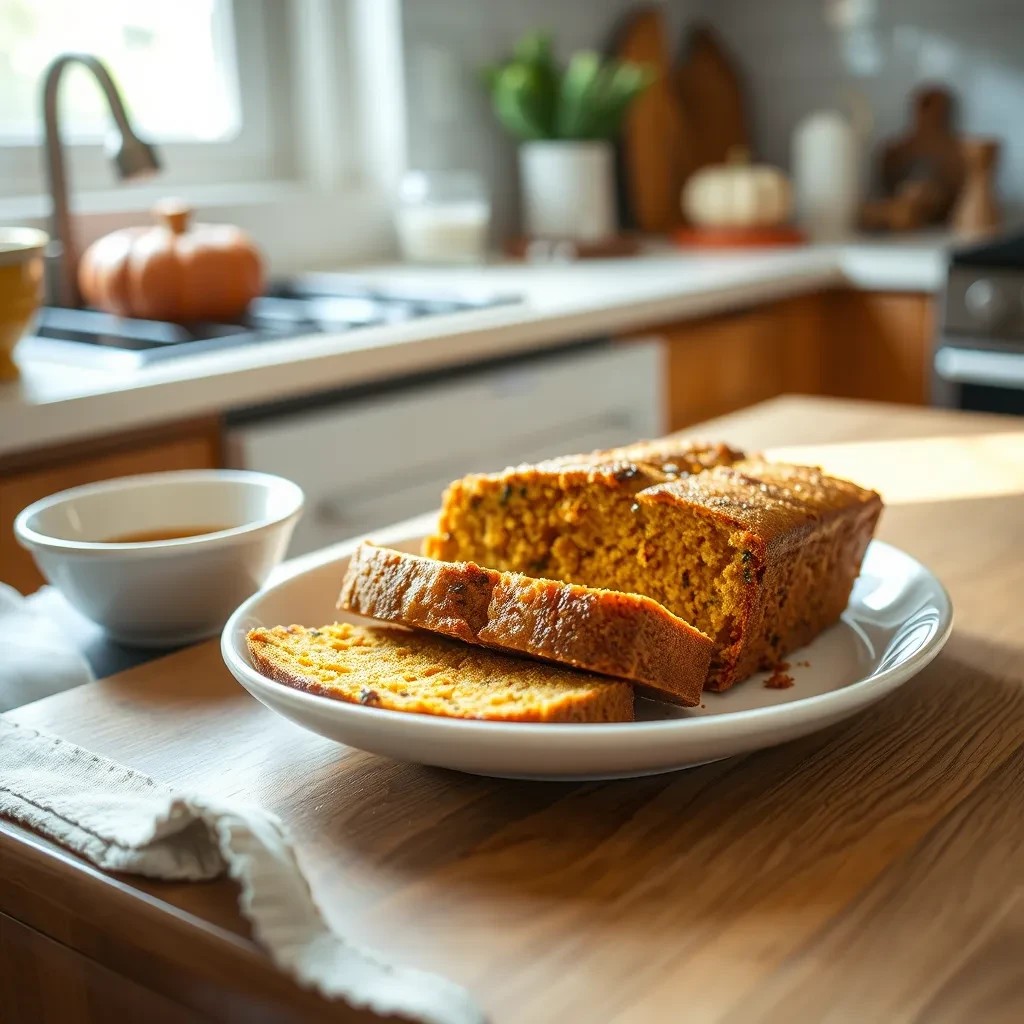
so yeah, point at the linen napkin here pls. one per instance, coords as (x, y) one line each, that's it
(38, 658)
(122, 820)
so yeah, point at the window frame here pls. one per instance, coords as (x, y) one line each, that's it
(323, 122)
(251, 152)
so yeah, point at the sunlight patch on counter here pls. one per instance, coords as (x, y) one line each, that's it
(910, 470)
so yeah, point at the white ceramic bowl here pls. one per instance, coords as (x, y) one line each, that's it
(168, 592)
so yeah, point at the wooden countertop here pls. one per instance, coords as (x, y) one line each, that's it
(869, 872)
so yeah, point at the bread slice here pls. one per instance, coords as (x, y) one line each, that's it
(400, 670)
(780, 547)
(623, 635)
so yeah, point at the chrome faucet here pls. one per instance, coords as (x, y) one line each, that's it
(132, 158)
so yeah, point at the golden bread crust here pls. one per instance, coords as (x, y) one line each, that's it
(760, 556)
(628, 636)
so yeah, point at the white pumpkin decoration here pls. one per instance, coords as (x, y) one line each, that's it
(737, 194)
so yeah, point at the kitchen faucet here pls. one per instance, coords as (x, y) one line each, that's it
(132, 158)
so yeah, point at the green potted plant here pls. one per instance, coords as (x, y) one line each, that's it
(565, 119)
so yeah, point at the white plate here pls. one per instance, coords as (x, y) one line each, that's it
(898, 618)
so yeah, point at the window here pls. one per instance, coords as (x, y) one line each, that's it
(208, 80)
(285, 117)
(146, 46)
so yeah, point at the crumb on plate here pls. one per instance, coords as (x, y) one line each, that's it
(780, 679)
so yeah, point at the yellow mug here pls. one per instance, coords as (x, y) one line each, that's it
(21, 288)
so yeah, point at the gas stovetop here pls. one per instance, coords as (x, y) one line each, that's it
(321, 304)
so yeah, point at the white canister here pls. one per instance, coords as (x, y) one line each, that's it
(568, 190)
(826, 175)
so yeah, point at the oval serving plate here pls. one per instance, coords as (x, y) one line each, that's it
(898, 618)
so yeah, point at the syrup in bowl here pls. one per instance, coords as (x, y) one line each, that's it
(128, 553)
(149, 536)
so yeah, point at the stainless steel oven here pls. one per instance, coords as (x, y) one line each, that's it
(979, 352)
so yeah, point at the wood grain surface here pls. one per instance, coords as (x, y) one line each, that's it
(871, 872)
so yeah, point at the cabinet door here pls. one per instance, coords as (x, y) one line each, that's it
(43, 979)
(723, 363)
(848, 343)
(878, 346)
(188, 447)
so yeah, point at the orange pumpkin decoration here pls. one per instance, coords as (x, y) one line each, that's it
(172, 271)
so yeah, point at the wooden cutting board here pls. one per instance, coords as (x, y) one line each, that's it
(922, 171)
(927, 160)
(711, 93)
(656, 138)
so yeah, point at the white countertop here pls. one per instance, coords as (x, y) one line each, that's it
(54, 403)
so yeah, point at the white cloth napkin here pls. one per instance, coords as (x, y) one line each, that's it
(124, 821)
(36, 658)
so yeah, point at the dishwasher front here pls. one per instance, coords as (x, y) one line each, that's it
(370, 459)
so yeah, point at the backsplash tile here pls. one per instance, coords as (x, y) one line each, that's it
(795, 61)
(452, 40)
(791, 56)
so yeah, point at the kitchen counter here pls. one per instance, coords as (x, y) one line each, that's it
(54, 403)
(867, 872)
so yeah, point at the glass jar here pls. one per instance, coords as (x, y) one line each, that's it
(442, 217)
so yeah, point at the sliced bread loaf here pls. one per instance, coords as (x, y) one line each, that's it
(623, 635)
(401, 670)
(760, 556)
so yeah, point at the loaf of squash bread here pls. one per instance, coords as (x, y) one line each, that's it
(400, 670)
(759, 556)
(615, 634)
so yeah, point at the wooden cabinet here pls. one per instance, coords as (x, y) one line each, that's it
(195, 445)
(43, 979)
(722, 363)
(878, 346)
(847, 343)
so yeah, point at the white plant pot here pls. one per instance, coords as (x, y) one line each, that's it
(568, 190)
